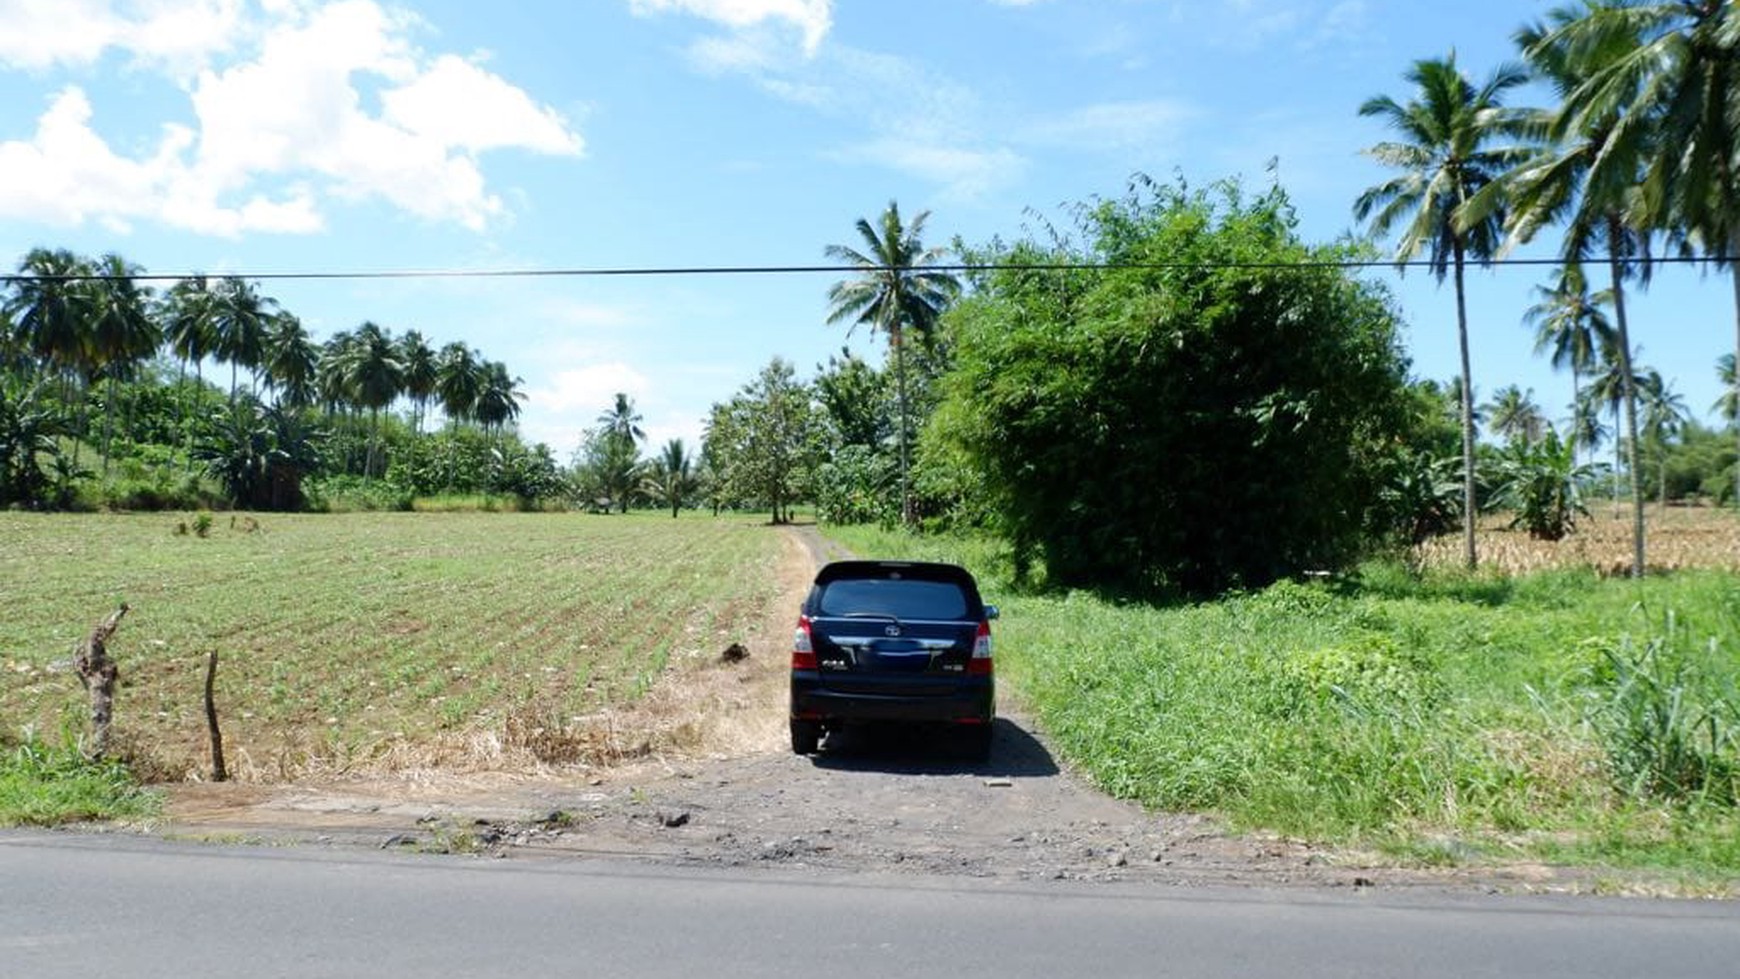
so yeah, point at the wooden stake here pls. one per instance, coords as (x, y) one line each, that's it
(218, 772)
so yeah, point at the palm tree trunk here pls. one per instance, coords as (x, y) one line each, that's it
(894, 337)
(1734, 274)
(1628, 389)
(1468, 552)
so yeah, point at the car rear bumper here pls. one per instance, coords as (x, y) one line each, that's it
(968, 699)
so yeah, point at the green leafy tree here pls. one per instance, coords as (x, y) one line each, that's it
(374, 378)
(30, 426)
(1541, 483)
(291, 361)
(896, 290)
(1665, 415)
(1214, 409)
(607, 470)
(459, 377)
(1445, 155)
(764, 441)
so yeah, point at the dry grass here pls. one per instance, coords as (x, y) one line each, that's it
(1676, 538)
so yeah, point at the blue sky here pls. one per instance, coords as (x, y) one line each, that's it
(261, 136)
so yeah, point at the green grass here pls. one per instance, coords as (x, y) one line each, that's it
(1557, 715)
(342, 636)
(41, 785)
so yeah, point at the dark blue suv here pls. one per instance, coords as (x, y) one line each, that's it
(893, 641)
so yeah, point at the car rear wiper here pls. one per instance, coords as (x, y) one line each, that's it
(889, 616)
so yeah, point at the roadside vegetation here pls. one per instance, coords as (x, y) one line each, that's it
(1444, 718)
(45, 785)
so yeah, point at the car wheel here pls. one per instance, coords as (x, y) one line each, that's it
(978, 743)
(806, 736)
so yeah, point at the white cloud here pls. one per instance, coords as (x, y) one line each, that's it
(812, 18)
(1114, 125)
(281, 133)
(962, 172)
(38, 34)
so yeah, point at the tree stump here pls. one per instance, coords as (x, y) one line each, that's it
(98, 673)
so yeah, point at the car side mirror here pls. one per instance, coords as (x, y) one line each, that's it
(992, 612)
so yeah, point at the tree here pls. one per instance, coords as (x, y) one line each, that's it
(1664, 417)
(763, 440)
(1213, 405)
(459, 377)
(498, 397)
(291, 361)
(122, 334)
(1572, 325)
(896, 290)
(1446, 157)
(238, 320)
(1728, 405)
(670, 479)
(1669, 71)
(607, 470)
(1608, 388)
(1588, 179)
(374, 378)
(1542, 484)
(623, 420)
(1516, 417)
(421, 375)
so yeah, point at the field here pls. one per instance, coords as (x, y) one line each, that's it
(1677, 538)
(1563, 715)
(373, 641)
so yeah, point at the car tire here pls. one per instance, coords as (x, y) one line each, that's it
(806, 737)
(978, 741)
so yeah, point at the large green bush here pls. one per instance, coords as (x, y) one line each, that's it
(1193, 399)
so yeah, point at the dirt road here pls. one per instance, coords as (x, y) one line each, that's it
(881, 802)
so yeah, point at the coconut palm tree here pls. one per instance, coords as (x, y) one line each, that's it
(421, 377)
(1446, 155)
(498, 397)
(123, 333)
(1587, 178)
(48, 309)
(1728, 405)
(1608, 388)
(671, 479)
(1670, 71)
(291, 360)
(1571, 325)
(1516, 417)
(622, 420)
(1664, 417)
(374, 378)
(458, 381)
(238, 320)
(895, 290)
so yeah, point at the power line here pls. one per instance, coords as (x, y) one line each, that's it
(753, 270)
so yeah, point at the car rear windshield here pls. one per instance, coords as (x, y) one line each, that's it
(902, 598)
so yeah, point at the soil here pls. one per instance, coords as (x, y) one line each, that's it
(889, 802)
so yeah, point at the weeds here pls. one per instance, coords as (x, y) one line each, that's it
(45, 785)
(1670, 724)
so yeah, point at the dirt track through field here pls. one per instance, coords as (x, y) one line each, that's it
(727, 792)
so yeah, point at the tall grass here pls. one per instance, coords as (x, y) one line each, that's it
(45, 785)
(1506, 713)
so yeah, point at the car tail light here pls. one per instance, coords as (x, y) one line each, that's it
(980, 664)
(803, 651)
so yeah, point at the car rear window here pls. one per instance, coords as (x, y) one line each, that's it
(902, 598)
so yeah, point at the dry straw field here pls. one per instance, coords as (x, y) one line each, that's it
(1677, 538)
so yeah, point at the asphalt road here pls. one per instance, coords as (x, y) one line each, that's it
(113, 906)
